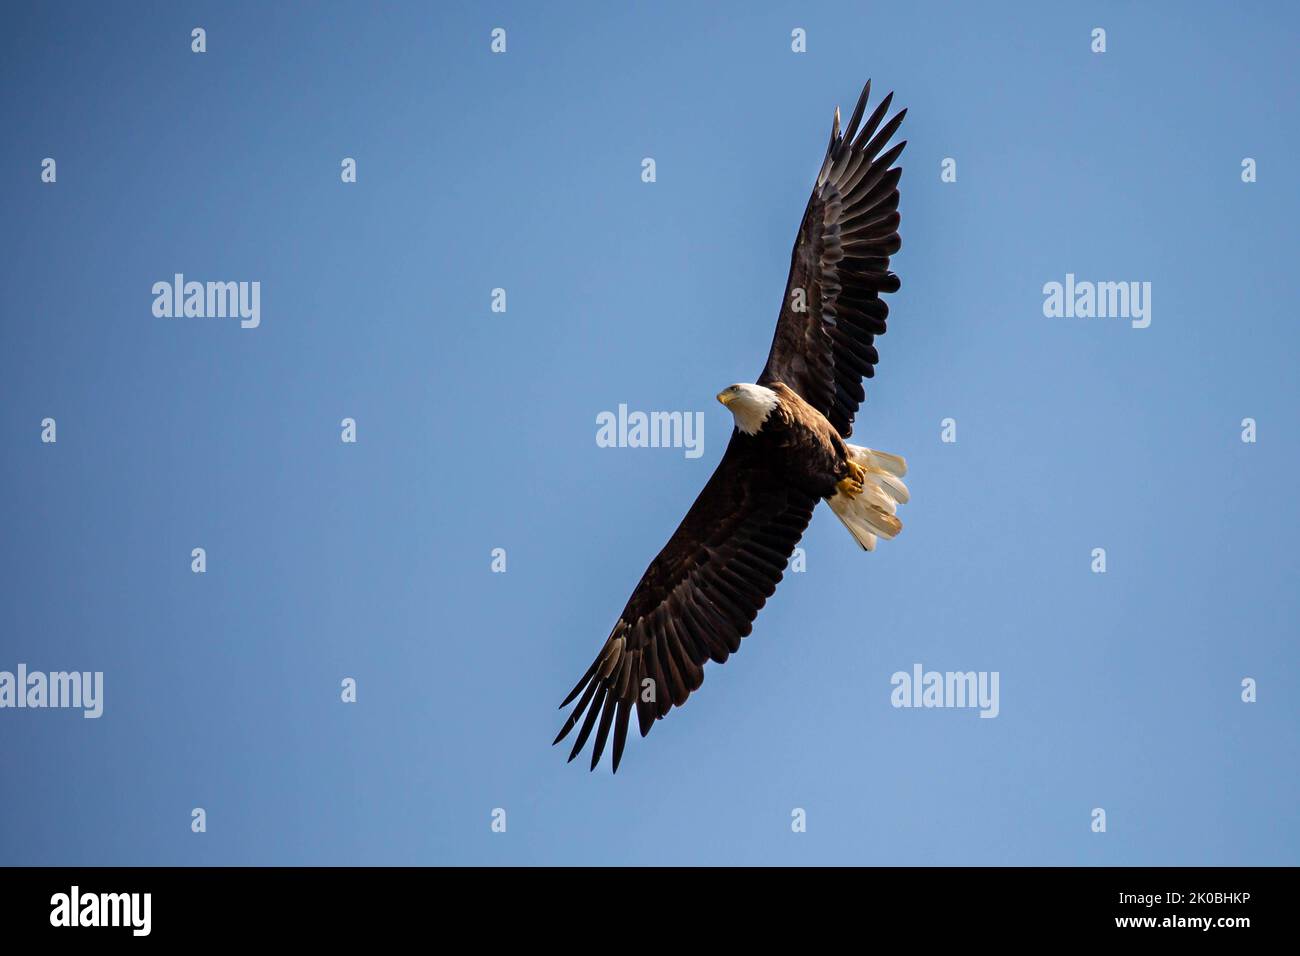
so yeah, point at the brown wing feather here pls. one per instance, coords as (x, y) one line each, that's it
(696, 600)
(840, 267)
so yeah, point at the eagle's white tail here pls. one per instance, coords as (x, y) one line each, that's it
(871, 514)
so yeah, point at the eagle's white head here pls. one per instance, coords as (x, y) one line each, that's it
(750, 404)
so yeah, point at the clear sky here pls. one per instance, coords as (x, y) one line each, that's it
(476, 430)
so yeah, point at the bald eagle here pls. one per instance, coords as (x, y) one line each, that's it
(788, 451)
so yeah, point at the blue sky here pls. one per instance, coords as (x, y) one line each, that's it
(476, 430)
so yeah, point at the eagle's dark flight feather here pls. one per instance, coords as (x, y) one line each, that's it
(696, 600)
(825, 338)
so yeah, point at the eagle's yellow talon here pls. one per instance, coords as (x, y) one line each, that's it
(851, 486)
(848, 487)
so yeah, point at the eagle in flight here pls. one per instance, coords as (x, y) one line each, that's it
(789, 450)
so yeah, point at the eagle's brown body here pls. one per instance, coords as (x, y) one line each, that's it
(801, 444)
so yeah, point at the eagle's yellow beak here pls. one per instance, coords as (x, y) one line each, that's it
(726, 398)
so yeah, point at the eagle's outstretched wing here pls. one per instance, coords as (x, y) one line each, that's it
(695, 602)
(832, 311)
